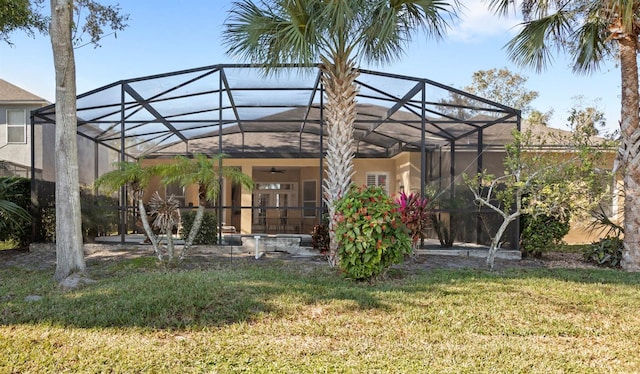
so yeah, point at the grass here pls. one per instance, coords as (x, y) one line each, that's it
(270, 316)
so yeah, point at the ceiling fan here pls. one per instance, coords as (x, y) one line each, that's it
(273, 170)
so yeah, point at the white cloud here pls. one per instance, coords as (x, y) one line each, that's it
(477, 22)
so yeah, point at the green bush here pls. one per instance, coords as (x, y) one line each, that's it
(542, 234)
(208, 233)
(606, 252)
(370, 233)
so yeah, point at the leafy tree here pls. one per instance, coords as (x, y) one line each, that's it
(339, 34)
(21, 15)
(540, 182)
(591, 32)
(504, 87)
(499, 85)
(538, 118)
(586, 117)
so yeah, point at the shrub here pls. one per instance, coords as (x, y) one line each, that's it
(320, 237)
(542, 233)
(606, 252)
(208, 233)
(370, 233)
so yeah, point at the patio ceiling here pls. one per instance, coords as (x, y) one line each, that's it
(237, 110)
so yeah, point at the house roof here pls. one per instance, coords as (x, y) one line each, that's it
(237, 110)
(12, 94)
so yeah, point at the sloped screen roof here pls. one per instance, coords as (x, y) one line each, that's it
(238, 110)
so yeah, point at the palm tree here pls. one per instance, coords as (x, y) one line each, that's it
(207, 173)
(592, 32)
(338, 34)
(136, 178)
(14, 218)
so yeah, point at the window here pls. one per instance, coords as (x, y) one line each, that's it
(176, 190)
(309, 201)
(378, 179)
(16, 126)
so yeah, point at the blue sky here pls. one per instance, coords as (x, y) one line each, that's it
(170, 35)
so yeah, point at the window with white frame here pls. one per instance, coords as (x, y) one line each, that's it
(309, 194)
(16, 126)
(378, 179)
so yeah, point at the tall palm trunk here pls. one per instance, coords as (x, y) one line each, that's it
(341, 90)
(630, 152)
(69, 250)
(195, 228)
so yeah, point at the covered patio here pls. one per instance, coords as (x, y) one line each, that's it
(273, 129)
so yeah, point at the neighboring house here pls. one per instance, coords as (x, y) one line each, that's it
(16, 105)
(16, 140)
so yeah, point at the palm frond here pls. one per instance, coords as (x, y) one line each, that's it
(390, 26)
(533, 46)
(279, 32)
(592, 45)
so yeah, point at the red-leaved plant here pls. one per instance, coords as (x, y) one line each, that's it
(415, 212)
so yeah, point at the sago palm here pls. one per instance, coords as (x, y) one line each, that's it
(205, 172)
(592, 32)
(339, 35)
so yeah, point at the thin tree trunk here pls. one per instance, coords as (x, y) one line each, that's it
(69, 250)
(495, 242)
(630, 153)
(147, 228)
(341, 91)
(195, 228)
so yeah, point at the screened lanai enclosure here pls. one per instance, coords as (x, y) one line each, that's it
(411, 135)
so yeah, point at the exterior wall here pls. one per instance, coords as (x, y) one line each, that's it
(19, 153)
(403, 172)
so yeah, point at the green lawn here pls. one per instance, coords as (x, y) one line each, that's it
(260, 316)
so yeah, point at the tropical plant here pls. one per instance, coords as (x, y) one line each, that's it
(416, 215)
(605, 252)
(15, 218)
(206, 172)
(591, 32)
(370, 232)
(166, 217)
(339, 34)
(135, 177)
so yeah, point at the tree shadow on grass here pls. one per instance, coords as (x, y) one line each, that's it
(178, 299)
(131, 293)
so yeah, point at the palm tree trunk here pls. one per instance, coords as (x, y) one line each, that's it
(149, 231)
(341, 90)
(195, 228)
(69, 249)
(630, 152)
